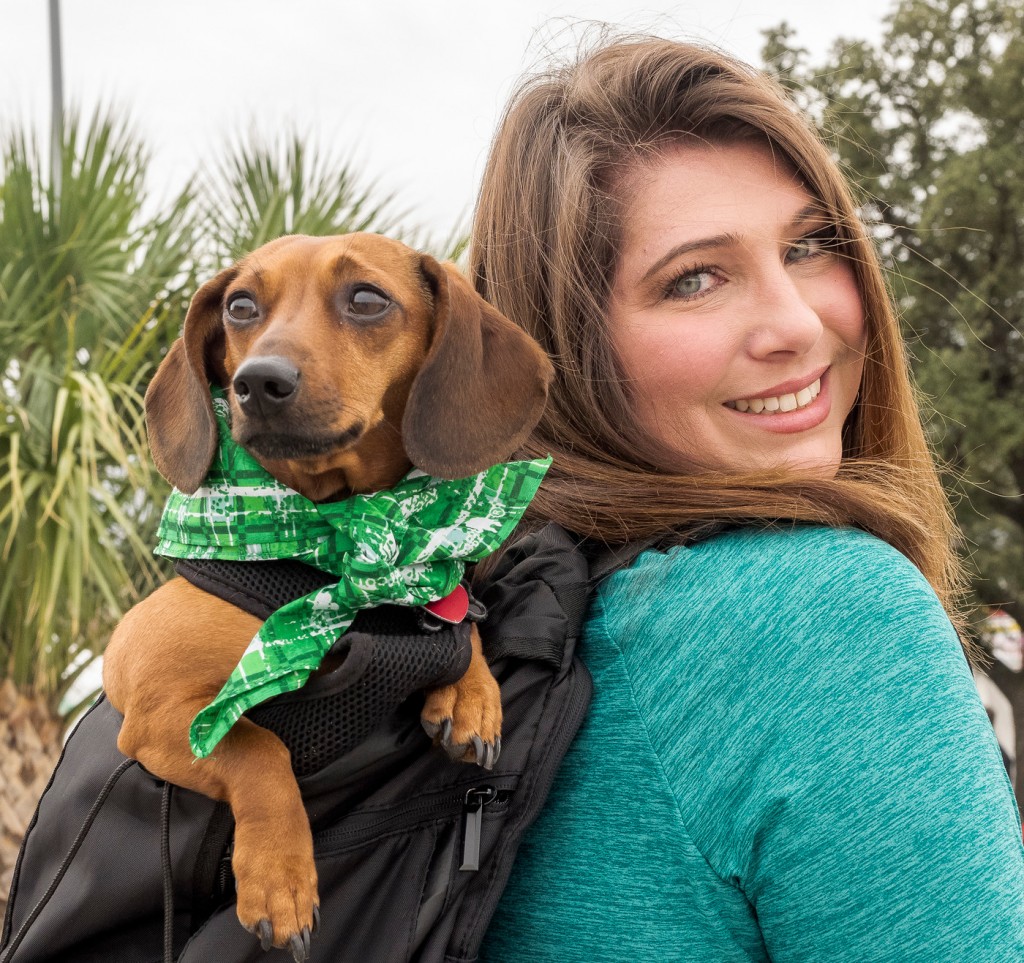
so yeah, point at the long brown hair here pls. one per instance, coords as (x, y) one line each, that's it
(544, 250)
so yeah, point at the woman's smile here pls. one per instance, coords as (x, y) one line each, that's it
(789, 396)
(794, 406)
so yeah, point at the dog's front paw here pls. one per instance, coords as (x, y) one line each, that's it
(277, 893)
(465, 719)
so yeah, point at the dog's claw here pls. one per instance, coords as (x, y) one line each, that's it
(316, 918)
(442, 735)
(430, 728)
(298, 945)
(486, 753)
(299, 948)
(455, 751)
(440, 732)
(449, 717)
(489, 756)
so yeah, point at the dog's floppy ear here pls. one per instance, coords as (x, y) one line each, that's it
(482, 387)
(179, 414)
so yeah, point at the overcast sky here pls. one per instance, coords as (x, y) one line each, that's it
(408, 89)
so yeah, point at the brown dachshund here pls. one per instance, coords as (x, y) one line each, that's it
(346, 361)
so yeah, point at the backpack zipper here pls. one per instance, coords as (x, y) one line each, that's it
(225, 874)
(567, 724)
(448, 804)
(472, 824)
(472, 803)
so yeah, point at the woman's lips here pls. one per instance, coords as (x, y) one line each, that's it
(788, 411)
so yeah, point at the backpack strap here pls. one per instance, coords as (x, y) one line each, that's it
(537, 595)
(606, 560)
(533, 613)
(536, 598)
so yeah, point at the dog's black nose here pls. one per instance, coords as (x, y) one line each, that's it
(265, 385)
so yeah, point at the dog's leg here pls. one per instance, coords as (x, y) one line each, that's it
(273, 853)
(166, 660)
(465, 717)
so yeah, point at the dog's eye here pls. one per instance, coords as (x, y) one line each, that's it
(241, 307)
(368, 302)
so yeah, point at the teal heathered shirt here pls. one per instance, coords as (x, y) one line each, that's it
(785, 759)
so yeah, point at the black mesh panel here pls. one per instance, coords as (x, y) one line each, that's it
(373, 668)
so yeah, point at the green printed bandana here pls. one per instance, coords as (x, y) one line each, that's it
(407, 545)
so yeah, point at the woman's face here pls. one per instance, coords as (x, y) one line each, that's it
(740, 328)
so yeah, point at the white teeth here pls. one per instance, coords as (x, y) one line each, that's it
(784, 403)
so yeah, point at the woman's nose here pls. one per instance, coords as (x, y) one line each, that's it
(783, 320)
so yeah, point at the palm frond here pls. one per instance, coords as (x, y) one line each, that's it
(91, 291)
(79, 269)
(262, 191)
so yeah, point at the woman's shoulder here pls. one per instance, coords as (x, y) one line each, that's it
(801, 592)
(811, 552)
(784, 566)
(753, 653)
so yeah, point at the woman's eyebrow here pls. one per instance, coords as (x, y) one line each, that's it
(703, 243)
(811, 212)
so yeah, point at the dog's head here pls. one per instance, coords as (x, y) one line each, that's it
(345, 360)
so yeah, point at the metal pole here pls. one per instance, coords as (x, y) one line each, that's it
(56, 98)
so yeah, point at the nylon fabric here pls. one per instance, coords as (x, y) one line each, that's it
(258, 588)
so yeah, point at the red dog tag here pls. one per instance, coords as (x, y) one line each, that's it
(452, 608)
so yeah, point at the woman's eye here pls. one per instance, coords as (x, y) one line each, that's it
(691, 285)
(821, 242)
(368, 302)
(241, 307)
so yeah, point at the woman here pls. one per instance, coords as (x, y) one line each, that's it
(785, 758)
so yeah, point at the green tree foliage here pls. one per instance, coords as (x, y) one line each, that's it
(89, 283)
(930, 123)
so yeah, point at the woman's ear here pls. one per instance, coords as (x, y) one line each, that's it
(482, 388)
(179, 412)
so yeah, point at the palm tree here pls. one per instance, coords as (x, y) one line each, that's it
(91, 287)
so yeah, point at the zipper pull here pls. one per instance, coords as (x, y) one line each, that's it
(473, 818)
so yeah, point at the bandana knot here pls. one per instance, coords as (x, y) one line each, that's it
(407, 545)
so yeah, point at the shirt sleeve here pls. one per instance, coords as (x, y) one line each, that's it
(830, 756)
